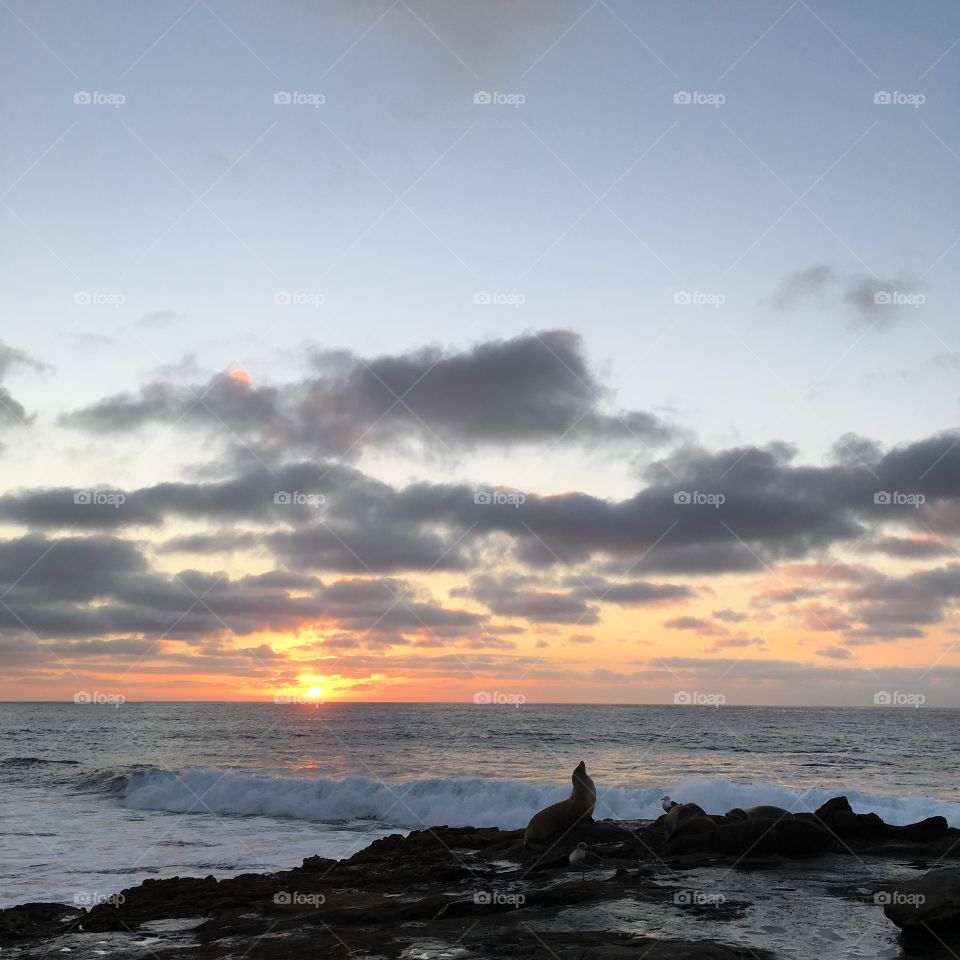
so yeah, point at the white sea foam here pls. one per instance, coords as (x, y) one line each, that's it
(500, 803)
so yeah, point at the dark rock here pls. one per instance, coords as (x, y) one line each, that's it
(46, 920)
(930, 902)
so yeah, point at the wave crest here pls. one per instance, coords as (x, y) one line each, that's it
(508, 804)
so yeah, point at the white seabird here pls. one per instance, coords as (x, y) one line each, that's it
(580, 858)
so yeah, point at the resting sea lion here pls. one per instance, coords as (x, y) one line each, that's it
(687, 818)
(565, 814)
(765, 812)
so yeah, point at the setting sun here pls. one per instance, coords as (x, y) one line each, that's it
(315, 693)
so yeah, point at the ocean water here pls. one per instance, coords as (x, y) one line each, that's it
(94, 798)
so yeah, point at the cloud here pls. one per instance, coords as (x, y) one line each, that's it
(530, 389)
(796, 287)
(871, 299)
(706, 628)
(635, 593)
(835, 653)
(723, 643)
(515, 598)
(12, 412)
(911, 548)
(100, 586)
(730, 616)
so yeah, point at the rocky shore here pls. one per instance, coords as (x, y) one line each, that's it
(468, 892)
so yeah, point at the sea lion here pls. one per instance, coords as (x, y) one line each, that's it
(687, 818)
(567, 813)
(764, 812)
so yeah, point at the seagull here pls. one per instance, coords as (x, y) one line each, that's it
(666, 803)
(581, 857)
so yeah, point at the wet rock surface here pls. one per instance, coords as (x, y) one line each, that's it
(474, 893)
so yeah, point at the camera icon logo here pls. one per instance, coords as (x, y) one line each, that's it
(482, 696)
(882, 497)
(82, 497)
(882, 97)
(82, 97)
(883, 298)
(482, 898)
(882, 698)
(682, 96)
(281, 496)
(282, 97)
(682, 697)
(681, 496)
(482, 496)
(282, 898)
(482, 98)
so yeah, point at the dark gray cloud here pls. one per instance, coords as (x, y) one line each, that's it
(12, 412)
(533, 388)
(835, 653)
(870, 299)
(638, 593)
(730, 616)
(772, 511)
(99, 586)
(515, 597)
(911, 548)
(796, 287)
(706, 628)
(893, 608)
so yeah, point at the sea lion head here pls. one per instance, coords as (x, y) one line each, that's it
(580, 772)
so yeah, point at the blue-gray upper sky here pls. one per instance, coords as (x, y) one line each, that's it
(747, 211)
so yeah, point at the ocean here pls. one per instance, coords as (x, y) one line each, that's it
(95, 798)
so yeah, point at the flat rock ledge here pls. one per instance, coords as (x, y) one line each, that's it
(465, 892)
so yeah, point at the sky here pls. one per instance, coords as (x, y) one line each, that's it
(496, 352)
